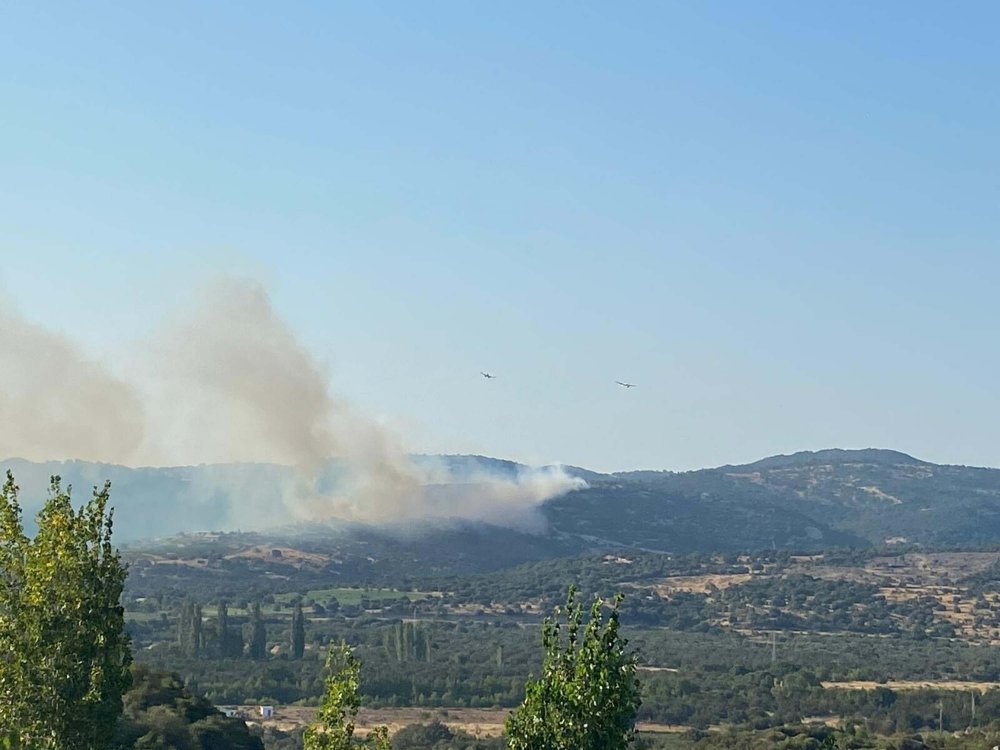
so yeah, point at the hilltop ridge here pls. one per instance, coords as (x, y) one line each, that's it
(880, 456)
(805, 500)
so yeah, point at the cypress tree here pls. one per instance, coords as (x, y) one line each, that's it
(222, 628)
(258, 636)
(196, 622)
(298, 632)
(184, 629)
(398, 632)
(407, 641)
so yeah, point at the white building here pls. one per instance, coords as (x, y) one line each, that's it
(266, 712)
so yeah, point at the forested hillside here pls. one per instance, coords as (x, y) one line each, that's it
(819, 500)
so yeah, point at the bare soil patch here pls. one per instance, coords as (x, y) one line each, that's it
(651, 727)
(479, 722)
(283, 555)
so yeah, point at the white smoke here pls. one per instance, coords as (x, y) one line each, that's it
(228, 381)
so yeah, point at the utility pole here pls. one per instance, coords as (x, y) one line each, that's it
(973, 708)
(774, 647)
(941, 715)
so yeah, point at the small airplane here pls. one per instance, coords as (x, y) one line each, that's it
(625, 385)
(487, 375)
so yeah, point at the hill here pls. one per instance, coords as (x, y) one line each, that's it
(882, 496)
(808, 500)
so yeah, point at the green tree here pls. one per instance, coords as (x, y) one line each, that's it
(258, 634)
(422, 735)
(222, 623)
(298, 632)
(334, 727)
(587, 695)
(196, 628)
(184, 629)
(189, 630)
(64, 653)
(160, 712)
(230, 643)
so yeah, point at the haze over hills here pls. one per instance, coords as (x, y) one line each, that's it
(807, 500)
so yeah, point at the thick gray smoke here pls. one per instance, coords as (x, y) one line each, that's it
(228, 381)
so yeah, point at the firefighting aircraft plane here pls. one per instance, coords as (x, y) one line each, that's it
(487, 375)
(625, 385)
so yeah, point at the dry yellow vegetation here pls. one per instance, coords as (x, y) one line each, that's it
(283, 555)
(898, 685)
(479, 722)
(698, 584)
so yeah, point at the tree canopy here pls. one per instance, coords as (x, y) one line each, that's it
(161, 714)
(587, 695)
(334, 727)
(64, 653)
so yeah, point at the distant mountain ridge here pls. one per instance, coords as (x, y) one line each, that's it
(880, 456)
(806, 500)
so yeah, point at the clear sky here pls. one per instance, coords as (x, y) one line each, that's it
(780, 220)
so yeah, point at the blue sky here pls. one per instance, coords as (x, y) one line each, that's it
(779, 220)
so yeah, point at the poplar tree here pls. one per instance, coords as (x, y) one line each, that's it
(587, 695)
(189, 630)
(64, 653)
(334, 726)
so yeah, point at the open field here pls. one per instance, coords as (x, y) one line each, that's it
(698, 584)
(284, 555)
(479, 722)
(354, 595)
(913, 569)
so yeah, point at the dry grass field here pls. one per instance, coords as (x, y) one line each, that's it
(698, 584)
(479, 722)
(284, 555)
(898, 685)
(915, 575)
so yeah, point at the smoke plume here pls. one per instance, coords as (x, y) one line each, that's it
(227, 381)
(57, 403)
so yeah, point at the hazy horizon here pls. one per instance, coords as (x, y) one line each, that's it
(555, 464)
